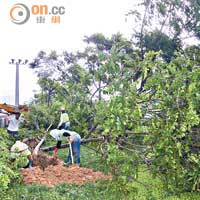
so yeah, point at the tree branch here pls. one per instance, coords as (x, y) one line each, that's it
(51, 148)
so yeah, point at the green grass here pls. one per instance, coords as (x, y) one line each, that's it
(151, 188)
(147, 187)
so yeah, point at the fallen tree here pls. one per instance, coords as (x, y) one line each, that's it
(51, 148)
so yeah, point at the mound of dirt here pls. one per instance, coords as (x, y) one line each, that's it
(43, 161)
(31, 142)
(57, 174)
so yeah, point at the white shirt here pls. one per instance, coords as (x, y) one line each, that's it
(74, 135)
(58, 134)
(14, 123)
(19, 148)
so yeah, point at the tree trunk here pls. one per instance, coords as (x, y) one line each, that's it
(51, 148)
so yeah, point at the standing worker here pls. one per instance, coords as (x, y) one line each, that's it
(13, 123)
(74, 140)
(64, 120)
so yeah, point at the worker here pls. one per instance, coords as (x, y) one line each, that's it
(64, 120)
(20, 148)
(73, 138)
(13, 123)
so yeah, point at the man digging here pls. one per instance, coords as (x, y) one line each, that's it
(74, 140)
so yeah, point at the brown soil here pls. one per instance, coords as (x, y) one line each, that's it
(31, 142)
(49, 171)
(56, 174)
(43, 161)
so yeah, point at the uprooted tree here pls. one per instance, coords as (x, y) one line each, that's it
(147, 110)
(144, 103)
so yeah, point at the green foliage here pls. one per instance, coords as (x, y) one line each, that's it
(124, 170)
(109, 85)
(8, 169)
(177, 87)
(157, 41)
(41, 116)
(165, 25)
(170, 16)
(193, 54)
(49, 88)
(171, 134)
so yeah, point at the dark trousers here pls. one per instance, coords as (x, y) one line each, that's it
(12, 133)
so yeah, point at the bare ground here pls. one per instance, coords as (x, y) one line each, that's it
(50, 171)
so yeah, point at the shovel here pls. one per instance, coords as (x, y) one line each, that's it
(70, 148)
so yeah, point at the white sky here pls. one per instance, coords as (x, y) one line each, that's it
(82, 17)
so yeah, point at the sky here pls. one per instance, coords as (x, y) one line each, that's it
(81, 18)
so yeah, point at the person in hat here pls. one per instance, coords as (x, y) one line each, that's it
(20, 148)
(73, 138)
(13, 123)
(64, 120)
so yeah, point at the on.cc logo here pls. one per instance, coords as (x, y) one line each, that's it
(19, 13)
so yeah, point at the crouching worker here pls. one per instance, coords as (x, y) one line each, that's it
(73, 138)
(21, 149)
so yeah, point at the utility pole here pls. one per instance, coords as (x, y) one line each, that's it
(17, 63)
